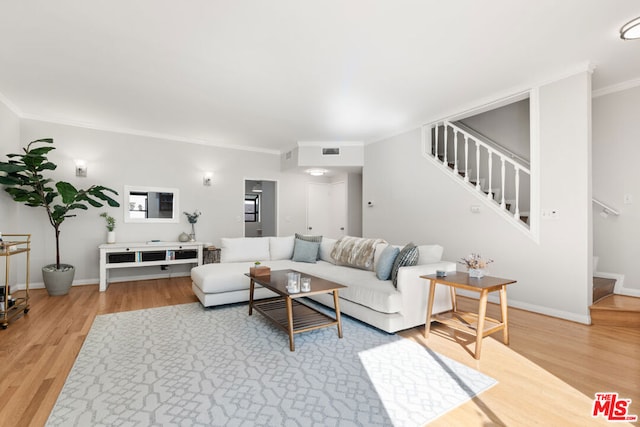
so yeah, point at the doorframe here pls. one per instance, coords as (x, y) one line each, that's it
(277, 202)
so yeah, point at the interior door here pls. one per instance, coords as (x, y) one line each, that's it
(337, 210)
(318, 206)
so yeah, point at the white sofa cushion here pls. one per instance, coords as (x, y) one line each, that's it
(220, 278)
(281, 247)
(326, 246)
(362, 286)
(244, 249)
(429, 254)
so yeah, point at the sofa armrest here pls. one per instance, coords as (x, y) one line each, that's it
(415, 292)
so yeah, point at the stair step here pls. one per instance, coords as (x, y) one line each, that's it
(602, 288)
(616, 310)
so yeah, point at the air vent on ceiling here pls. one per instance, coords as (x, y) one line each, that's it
(331, 151)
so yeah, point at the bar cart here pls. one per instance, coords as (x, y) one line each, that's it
(14, 301)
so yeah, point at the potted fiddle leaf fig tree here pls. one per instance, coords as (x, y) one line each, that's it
(25, 180)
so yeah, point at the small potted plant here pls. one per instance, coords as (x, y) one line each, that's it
(111, 225)
(476, 265)
(259, 270)
(193, 218)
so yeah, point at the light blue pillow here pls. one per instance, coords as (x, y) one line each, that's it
(304, 251)
(385, 263)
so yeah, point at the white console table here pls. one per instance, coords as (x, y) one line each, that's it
(127, 255)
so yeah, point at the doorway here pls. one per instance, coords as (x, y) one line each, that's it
(260, 208)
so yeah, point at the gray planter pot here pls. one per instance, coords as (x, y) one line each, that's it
(58, 282)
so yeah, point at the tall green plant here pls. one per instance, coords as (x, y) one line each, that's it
(25, 182)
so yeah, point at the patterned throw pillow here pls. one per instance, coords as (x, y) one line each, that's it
(408, 256)
(309, 238)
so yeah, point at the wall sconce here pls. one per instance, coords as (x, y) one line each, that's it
(81, 168)
(207, 178)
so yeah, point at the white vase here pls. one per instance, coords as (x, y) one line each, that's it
(476, 272)
(111, 237)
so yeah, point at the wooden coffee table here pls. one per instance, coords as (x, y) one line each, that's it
(293, 316)
(476, 324)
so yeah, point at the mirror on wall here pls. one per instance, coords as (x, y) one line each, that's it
(150, 204)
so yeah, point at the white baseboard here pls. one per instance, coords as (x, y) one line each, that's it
(574, 317)
(84, 282)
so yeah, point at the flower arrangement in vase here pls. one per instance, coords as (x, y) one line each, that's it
(476, 264)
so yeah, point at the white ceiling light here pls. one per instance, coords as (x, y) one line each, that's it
(631, 30)
(316, 172)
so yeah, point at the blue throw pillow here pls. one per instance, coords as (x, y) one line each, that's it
(385, 263)
(304, 251)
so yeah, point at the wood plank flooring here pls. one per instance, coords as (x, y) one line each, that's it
(547, 376)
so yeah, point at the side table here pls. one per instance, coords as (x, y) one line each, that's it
(475, 324)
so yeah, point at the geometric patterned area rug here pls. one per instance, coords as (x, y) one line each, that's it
(187, 365)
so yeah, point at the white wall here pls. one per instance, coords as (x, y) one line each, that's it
(115, 160)
(9, 143)
(415, 201)
(616, 133)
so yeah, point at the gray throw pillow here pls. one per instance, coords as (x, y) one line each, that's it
(408, 256)
(385, 263)
(304, 251)
(309, 238)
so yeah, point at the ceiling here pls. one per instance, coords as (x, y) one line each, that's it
(265, 74)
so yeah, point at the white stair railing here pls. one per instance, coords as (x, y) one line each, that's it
(436, 144)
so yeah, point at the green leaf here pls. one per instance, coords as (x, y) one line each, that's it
(67, 191)
(11, 167)
(41, 151)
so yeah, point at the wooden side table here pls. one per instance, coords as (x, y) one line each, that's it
(475, 324)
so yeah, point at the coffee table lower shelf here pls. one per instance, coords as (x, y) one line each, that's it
(305, 318)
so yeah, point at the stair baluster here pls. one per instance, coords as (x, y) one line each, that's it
(503, 179)
(478, 166)
(466, 158)
(455, 152)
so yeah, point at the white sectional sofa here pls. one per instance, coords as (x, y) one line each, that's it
(367, 298)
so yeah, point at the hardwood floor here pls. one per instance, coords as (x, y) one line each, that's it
(547, 376)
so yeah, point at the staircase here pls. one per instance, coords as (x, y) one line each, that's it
(493, 173)
(616, 310)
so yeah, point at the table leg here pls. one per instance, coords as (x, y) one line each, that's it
(337, 307)
(432, 292)
(292, 346)
(503, 311)
(251, 287)
(454, 303)
(482, 312)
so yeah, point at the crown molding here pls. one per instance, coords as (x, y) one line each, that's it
(498, 98)
(618, 87)
(11, 106)
(326, 144)
(148, 134)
